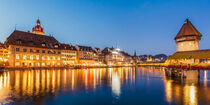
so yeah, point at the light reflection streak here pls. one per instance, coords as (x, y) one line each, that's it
(205, 78)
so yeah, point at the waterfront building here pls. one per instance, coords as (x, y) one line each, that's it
(99, 56)
(34, 49)
(85, 55)
(128, 60)
(115, 57)
(187, 41)
(3, 55)
(150, 58)
(68, 55)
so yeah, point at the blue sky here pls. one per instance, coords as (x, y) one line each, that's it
(147, 26)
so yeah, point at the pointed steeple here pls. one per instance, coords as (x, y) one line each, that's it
(135, 53)
(188, 30)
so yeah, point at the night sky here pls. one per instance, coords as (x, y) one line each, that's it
(149, 27)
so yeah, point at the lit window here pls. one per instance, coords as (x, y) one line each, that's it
(37, 57)
(43, 45)
(17, 56)
(56, 46)
(53, 58)
(48, 58)
(24, 57)
(59, 58)
(43, 58)
(31, 57)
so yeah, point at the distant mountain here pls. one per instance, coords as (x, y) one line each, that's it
(161, 56)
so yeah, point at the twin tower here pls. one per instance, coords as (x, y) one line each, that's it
(188, 38)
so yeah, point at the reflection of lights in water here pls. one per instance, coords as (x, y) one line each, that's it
(1, 84)
(30, 83)
(168, 90)
(94, 79)
(53, 81)
(205, 78)
(116, 84)
(190, 97)
(110, 72)
(72, 80)
(5, 79)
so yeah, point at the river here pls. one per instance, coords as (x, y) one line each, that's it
(102, 86)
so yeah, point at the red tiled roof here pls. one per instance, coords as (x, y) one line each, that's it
(188, 30)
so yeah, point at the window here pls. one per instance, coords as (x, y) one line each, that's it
(43, 44)
(37, 51)
(56, 46)
(43, 58)
(17, 49)
(59, 52)
(24, 50)
(31, 50)
(31, 57)
(37, 57)
(43, 51)
(53, 58)
(59, 58)
(17, 56)
(24, 57)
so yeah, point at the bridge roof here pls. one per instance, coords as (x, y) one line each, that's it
(197, 54)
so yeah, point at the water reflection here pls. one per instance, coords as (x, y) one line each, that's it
(31, 85)
(187, 91)
(35, 83)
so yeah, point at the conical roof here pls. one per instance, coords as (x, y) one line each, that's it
(188, 30)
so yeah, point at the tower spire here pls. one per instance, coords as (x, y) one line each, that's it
(38, 29)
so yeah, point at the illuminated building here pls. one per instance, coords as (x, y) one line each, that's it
(149, 58)
(3, 55)
(85, 55)
(68, 55)
(187, 41)
(115, 57)
(188, 37)
(38, 29)
(33, 49)
(99, 56)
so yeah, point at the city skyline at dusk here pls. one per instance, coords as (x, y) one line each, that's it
(149, 27)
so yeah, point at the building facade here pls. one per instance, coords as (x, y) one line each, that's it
(34, 49)
(85, 55)
(68, 55)
(115, 57)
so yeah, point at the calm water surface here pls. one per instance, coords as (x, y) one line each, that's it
(112, 86)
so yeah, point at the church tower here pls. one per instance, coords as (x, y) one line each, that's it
(188, 37)
(38, 29)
